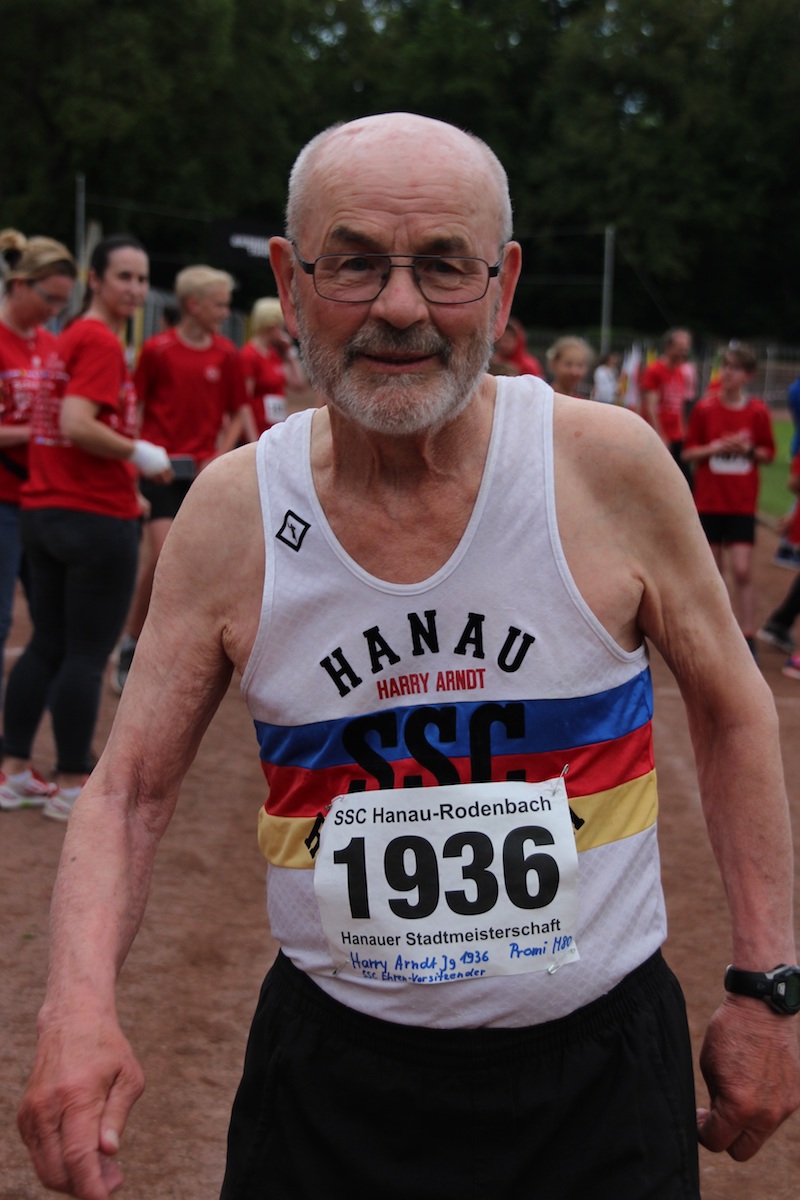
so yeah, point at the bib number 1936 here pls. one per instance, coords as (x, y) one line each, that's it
(487, 871)
(410, 865)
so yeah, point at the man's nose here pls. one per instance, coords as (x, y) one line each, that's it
(400, 303)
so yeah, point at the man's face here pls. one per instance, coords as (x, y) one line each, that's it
(398, 364)
(396, 380)
(680, 347)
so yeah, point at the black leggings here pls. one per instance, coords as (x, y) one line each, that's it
(82, 572)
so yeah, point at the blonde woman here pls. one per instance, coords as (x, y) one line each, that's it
(271, 366)
(38, 278)
(568, 362)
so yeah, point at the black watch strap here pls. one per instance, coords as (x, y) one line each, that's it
(780, 987)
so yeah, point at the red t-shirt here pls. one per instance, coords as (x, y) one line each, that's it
(186, 393)
(23, 375)
(88, 361)
(728, 483)
(268, 374)
(672, 387)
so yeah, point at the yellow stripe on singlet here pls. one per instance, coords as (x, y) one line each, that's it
(601, 818)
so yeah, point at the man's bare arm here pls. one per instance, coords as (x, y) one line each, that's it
(86, 1078)
(640, 557)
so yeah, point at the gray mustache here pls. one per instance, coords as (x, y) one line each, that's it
(397, 341)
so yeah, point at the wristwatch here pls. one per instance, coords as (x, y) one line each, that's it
(780, 987)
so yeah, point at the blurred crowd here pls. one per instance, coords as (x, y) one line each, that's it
(99, 445)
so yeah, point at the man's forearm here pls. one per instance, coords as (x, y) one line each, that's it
(745, 807)
(98, 901)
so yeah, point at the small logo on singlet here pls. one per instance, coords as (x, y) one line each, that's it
(293, 530)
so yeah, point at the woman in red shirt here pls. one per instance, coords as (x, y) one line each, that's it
(80, 523)
(38, 282)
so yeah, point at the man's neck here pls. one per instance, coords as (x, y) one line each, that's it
(413, 496)
(357, 454)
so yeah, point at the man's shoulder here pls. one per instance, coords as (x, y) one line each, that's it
(223, 502)
(606, 445)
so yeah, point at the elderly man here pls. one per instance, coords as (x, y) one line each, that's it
(437, 590)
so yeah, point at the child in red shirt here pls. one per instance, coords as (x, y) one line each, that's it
(729, 434)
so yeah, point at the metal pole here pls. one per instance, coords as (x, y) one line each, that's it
(608, 290)
(80, 220)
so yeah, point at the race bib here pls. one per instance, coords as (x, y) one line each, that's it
(430, 885)
(730, 464)
(274, 409)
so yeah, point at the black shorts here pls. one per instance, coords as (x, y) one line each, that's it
(724, 529)
(334, 1103)
(165, 498)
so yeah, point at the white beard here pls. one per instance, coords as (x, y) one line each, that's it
(398, 405)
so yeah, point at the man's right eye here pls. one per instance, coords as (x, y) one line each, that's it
(357, 265)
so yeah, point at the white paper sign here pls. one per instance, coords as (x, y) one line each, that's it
(730, 464)
(430, 885)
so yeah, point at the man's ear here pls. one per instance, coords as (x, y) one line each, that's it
(282, 261)
(509, 275)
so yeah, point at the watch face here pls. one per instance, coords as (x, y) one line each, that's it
(787, 990)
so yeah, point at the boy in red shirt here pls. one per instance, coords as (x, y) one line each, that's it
(729, 434)
(191, 392)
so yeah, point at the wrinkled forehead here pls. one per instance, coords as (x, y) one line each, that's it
(410, 175)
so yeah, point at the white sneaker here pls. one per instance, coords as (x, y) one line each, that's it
(9, 799)
(30, 788)
(59, 806)
(26, 790)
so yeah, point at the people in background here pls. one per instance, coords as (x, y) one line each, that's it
(666, 387)
(271, 367)
(569, 361)
(192, 398)
(38, 277)
(729, 436)
(511, 355)
(605, 381)
(80, 524)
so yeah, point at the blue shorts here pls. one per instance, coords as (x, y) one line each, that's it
(335, 1103)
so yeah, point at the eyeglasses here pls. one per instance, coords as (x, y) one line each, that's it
(57, 303)
(360, 278)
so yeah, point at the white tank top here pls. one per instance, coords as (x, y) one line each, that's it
(493, 668)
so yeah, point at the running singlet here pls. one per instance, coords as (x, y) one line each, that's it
(415, 739)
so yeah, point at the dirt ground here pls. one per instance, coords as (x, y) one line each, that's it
(188, 989)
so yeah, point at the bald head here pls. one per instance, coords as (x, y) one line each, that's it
(427, 145)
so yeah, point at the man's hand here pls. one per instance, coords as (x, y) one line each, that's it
(751, 1064)
(83, 1086)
